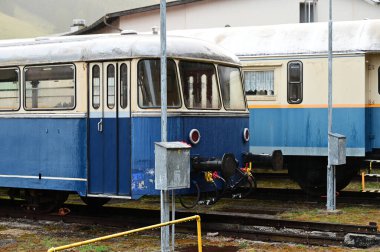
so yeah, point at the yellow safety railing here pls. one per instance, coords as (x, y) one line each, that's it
(364, 189)
(195, 217)
(363, 182)
(370, 174)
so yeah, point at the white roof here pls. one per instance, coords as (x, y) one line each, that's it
(288, 39)
(106, 47)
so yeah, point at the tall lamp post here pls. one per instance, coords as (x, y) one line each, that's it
(164, 194)
(331, 187)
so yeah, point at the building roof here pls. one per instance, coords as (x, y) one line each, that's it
(111, 17)
(293, 39)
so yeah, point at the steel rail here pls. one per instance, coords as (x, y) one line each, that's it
(251, 226)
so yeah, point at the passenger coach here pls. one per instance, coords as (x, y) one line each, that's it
(81, 114)
(286, 69)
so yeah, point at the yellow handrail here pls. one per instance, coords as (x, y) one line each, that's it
(363, 181)
(107, 237)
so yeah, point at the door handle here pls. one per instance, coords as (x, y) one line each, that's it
(100, 125)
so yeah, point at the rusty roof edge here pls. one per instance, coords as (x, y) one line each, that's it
(115, 15)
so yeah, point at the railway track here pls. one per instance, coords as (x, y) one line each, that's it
(352, 197)
(240, 225)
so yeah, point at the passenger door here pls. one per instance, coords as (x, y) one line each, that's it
(109, 137)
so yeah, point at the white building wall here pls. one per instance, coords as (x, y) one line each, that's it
(345, 10)
(218, 13)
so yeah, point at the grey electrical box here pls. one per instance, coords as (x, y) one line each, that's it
(172, 165)
(337, 149)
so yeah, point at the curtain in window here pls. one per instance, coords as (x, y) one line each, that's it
(259, 82)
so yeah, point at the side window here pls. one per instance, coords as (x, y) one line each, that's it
(199, 84)
(9, 89)
(378, 80)
(123, 86)
(95, 86)
(231, 87)
(307, 11)
(111, 86)
(295, 79)
(49, 87)
(259, 82)
(149, 84)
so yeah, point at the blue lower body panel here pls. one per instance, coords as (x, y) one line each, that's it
(110, 162)
(219, 135)
(373, 129)
(42, 153)
(124, 157)
(303, 131)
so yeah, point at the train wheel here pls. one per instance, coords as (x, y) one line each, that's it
(44, 201)
(311, 173)
(95, 201)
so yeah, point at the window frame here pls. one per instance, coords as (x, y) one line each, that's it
(303, 7)
(242, 87)
(20, 86)
(178, 84)
(221, 105)
(50, 65)
(295, 83)
(127, 85)
(260, 96)
(277, 76)
(114, 86)
(100, 85)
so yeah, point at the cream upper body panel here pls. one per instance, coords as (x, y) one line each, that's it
(348, 81)
(82, 50)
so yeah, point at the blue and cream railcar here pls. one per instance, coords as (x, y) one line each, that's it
(81, 114)
(286, 80)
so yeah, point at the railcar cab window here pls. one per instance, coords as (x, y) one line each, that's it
(199, 84)
(231, 87)
(49, 87)
(259, 82)
(149, 84)
(295, 80)
(9, 89)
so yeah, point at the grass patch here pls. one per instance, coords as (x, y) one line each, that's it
(357, 186)
(277, 183)
(94, 248)
(49, 242)
(356, 215)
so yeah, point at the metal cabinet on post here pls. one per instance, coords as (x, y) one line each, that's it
(172, 165)
(337, 149)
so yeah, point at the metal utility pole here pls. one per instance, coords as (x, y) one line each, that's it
(331, 187)
(165, 204)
